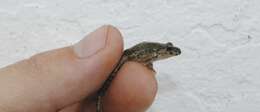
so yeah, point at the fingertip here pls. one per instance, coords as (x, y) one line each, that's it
(103, 38)
(133, 89)
(115, 39)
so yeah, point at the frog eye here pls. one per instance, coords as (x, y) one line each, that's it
(169, 44)
(169, 48)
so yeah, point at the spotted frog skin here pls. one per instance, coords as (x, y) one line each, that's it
(145, 53)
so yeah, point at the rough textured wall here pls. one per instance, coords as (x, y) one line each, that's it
(219, 70)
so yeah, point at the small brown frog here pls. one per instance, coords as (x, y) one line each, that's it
(145, 53)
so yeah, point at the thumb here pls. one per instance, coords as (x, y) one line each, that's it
(57, 78)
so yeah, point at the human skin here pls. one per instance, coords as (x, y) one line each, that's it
(66, 79)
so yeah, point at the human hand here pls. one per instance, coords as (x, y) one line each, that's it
(67, 79)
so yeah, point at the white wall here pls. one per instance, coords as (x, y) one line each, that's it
(218, 71)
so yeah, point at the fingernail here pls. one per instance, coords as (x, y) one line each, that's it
(92, 43)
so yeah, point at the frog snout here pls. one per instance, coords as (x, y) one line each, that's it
(177, 50)
(174, 50)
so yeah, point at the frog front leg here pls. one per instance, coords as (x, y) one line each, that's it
(149, 65)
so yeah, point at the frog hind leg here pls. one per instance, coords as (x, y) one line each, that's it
(99, 104)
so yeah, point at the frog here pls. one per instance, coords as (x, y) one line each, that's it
(145, 53)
